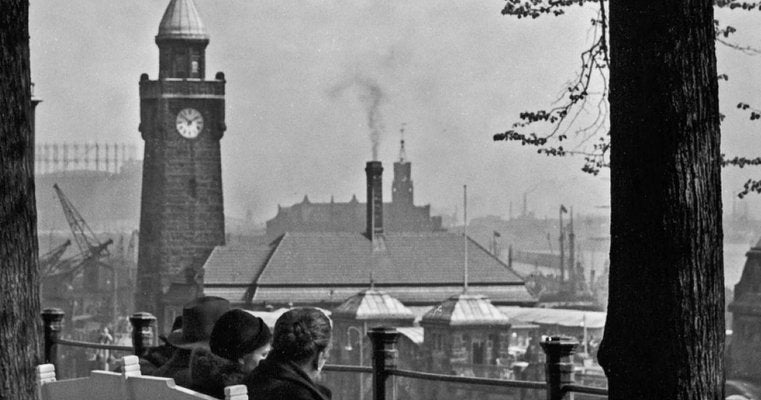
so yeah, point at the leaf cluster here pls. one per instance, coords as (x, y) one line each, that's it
(537, 8)
(573, 99)
(577, 93)
(741, 5)
(754, 113)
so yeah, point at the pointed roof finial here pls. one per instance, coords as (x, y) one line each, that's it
(372, 281)
(182, 21)
(402, 152)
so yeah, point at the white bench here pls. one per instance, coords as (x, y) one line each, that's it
(128, 385)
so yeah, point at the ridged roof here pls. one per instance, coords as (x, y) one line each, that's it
(556, 316)
(465, 309)
(372, 304)
(182, 21)
(407, 294)
(324, 258)
(236, 264)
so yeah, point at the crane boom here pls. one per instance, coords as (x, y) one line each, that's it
(49, 260)
(86, 240)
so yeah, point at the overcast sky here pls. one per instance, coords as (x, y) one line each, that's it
(298, 74)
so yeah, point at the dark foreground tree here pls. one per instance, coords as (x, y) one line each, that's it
(19, 293)
(664, 336)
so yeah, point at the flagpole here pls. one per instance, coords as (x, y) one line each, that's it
(584, 323)
(465, 236)
(562, 250)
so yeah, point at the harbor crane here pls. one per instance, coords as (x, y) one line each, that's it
(58, 274)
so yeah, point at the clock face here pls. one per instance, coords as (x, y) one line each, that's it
(189, 123)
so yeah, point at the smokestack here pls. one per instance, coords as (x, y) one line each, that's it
(374, 170)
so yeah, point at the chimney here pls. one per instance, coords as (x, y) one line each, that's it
(374, 170)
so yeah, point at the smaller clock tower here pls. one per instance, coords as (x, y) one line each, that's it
(401, 190)
(182, 119)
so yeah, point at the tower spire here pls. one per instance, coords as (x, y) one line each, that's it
(402, 152)
(181, 20)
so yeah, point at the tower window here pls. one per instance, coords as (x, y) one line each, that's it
(194, 68)
(478, 352)
(193, 188)
(180, 67)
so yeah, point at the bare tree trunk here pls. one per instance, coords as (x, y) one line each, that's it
(664, 336)
(19, 277)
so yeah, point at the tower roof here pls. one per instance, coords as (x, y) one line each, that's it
(182, 21)
(465, 310)
(372, 304)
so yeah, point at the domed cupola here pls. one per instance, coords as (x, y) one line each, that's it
(182, 41)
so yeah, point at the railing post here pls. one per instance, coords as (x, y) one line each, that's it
(142, 332)
(384, 358)
(53, 324)
(558, 368)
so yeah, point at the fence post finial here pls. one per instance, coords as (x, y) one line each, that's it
(53, 324)
(559, 366)
(142, 332)
(384, 358)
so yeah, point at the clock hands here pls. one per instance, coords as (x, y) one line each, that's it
(189, 123)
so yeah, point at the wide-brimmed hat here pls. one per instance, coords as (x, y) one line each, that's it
(198, 318)
(177, 324)
(238, 333)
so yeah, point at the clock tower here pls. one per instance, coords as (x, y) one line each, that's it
(182, 119)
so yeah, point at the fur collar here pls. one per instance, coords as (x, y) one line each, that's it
(210, 373)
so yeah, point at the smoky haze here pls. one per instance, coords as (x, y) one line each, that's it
(315, 89)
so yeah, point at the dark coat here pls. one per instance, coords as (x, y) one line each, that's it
(177, 368)
(276, 380)
(210, 374)
(153, 359)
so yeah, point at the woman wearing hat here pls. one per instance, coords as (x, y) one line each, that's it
(238, 342)
(198, 318)
(300, 348)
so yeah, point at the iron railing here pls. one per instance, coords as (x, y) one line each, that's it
(142, 335)
(559, 369)
(559, 375)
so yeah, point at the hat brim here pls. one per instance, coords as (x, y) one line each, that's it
(177, 340)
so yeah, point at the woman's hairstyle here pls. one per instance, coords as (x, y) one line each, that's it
(300, 334)
(237, 333)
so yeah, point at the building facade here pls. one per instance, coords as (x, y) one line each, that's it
(324, 268)
(744, 353)
(399, 215)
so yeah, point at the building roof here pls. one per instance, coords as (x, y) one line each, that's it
(182, 21)
(372, 304)
(324, 258)
(329, 267)
(413, 333)
(559, 317)
(465, 309)
(409, 295)
(236, 264)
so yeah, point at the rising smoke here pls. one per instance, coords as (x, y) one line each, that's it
(370, 94)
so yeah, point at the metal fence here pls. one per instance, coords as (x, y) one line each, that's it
(142, 336)
(559, 369)
(559, 376)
